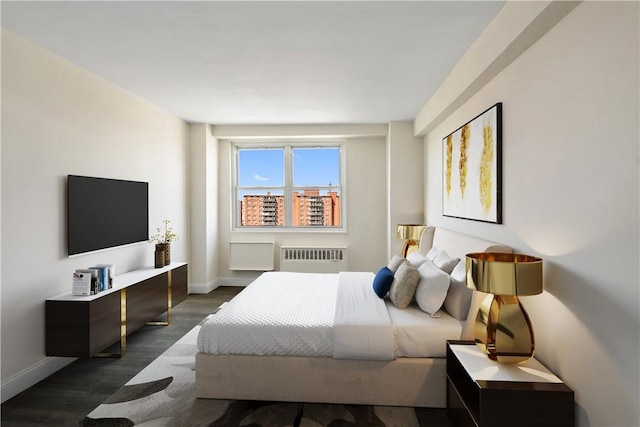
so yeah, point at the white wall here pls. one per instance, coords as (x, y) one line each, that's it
(405, 186)
(57, 119)
(367, 213)
(571, 196)
(365, 196)
(203, 229)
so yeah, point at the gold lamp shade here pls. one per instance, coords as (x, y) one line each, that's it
(503, 330)
(411, 233)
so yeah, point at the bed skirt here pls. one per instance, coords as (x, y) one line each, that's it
(416, 382)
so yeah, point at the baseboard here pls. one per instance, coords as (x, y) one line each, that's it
(32, 375)
(203, 288)
(235, 281)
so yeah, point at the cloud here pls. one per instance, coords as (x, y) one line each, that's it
(260, 178)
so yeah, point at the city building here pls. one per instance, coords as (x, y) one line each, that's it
(310, 209)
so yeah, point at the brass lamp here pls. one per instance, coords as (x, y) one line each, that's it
(503, 330)
(411, 233)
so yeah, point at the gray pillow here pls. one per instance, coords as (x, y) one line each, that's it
(395, 262)
(405, 281)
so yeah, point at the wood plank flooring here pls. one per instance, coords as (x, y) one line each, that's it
(66, 397)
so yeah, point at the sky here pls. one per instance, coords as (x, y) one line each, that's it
(311, 167)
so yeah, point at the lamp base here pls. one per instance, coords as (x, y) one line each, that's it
(409, 246)
(503, 330)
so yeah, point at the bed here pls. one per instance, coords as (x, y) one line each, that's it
(333, 340)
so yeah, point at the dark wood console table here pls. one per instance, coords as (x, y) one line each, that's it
(84, 326)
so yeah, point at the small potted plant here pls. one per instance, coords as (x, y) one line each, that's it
(163, 240)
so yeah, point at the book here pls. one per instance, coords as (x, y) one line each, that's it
(103, 278)
(94, 278)
(111, 274)
(81, 283)
(99, 279)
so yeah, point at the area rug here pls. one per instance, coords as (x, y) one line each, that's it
(163, 394)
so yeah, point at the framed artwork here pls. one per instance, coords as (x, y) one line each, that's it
(472, 169)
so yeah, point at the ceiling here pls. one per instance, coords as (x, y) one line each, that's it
(295, 62)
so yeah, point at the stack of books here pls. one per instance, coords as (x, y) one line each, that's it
(92, 280)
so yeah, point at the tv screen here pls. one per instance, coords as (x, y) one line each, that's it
(103, 213)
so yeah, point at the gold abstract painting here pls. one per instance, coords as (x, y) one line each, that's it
(471, 169)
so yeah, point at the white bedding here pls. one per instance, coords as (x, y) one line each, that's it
(420, 335)
(279, 314)
(362, 328)
(305, 314)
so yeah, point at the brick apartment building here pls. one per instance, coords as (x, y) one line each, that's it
(309, 209)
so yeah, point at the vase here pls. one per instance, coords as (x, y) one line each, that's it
(166, 248)
(159, 259)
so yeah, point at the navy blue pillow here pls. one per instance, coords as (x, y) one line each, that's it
(382, 282)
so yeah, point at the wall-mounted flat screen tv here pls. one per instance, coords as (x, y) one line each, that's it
(104, 213)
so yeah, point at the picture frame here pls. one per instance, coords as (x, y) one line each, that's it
(472, 169)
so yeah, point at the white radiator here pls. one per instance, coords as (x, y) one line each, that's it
(313, 259)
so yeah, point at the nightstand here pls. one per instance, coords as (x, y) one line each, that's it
(484, 393)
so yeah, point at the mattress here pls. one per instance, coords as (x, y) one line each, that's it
(294, 314)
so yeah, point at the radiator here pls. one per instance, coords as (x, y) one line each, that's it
(313, 259)
(257, 256)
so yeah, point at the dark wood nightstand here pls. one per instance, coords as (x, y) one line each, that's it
(484, 393)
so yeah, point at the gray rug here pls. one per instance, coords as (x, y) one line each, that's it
(163, 394)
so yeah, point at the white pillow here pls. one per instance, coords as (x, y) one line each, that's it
(403, 288)
(416, 259)
(395, 262)
(445, 263)
(432, 288)
(458, 298)
(433, 253)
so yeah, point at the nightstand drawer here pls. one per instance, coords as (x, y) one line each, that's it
(456, 409)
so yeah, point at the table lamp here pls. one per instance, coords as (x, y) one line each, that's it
(503, 330)
(411, 233)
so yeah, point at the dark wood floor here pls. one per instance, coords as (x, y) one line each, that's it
(66, 397)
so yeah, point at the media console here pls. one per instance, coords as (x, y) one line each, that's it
(84, 326)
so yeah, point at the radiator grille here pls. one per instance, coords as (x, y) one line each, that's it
(313, 259)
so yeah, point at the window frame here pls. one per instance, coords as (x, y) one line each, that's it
(288, 188)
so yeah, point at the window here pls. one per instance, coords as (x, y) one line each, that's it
(289, 186)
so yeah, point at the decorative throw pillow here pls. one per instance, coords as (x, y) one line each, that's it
(405, 281)
(432, 288)
(458, 298)
(416, 259)
(445, 263)
(395, 262)
(382, 282)
(433, 253)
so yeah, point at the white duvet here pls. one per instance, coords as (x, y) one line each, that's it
(278, 314)
(327, 315)
(362, 328)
